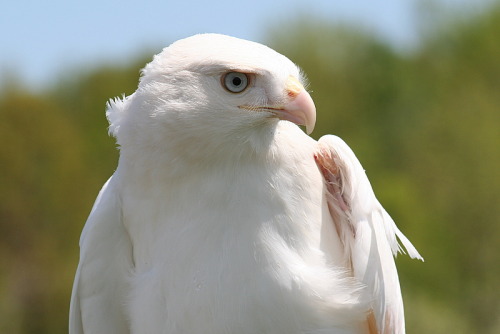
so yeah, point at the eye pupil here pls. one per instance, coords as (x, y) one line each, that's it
(235, 82)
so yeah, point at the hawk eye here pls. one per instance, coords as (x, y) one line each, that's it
(235, 82)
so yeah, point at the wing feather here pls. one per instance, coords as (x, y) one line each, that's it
(368, 233)
(99, 290)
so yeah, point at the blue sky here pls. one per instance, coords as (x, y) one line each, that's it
(39, 40)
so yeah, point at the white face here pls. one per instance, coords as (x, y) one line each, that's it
(211, 87)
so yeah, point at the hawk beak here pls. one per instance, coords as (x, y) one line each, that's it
(300, 108)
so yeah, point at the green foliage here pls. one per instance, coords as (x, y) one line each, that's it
(425, 125)
(40, 157)
(54, 157)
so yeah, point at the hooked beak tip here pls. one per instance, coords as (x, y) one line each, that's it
(300, 110)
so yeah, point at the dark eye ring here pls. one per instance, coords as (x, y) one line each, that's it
(235, 82)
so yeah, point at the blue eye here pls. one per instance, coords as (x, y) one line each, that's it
(235, 82)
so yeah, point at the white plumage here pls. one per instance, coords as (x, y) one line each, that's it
(224, 217)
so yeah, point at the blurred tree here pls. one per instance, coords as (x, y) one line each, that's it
(40, 157)
(54, 157)
(456, 141)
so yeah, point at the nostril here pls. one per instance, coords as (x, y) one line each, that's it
(292, 93)
(293, 86)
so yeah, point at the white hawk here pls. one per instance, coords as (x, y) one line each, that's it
(223, 216)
